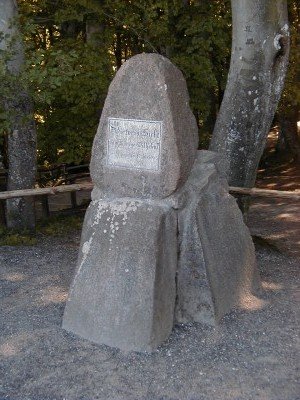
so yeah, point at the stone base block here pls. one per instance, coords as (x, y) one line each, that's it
(123, 294)
(138, 256)
(217, 265)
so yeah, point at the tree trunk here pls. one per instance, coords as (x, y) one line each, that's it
(259, 57)
(21, 141)
(118, 49)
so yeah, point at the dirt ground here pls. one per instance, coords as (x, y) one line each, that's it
(252, 354)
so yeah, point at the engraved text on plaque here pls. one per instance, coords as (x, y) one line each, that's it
(134, 144)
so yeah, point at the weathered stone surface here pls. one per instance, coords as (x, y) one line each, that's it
(147, 137)
(156, 218)
(217, 267)
(124, 290)
(123, 293)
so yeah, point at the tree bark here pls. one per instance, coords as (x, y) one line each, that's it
(21, 141)
(118, 49)
(259, 57)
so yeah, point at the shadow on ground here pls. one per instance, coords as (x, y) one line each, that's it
(277, 221)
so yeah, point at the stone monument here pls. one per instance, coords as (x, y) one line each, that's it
(155, 246)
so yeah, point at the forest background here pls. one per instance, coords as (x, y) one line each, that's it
(73, 48)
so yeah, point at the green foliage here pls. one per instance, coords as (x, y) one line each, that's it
(202, 50)
(290, 99)
(68, 78)
(74, 47)
(69, 100)
(68, 70)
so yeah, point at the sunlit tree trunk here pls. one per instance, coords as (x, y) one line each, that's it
(21, 140)
(259, 57)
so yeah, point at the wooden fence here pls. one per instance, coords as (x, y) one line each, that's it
(255, 192)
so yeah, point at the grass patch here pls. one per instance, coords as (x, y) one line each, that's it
(11, 237)
(53, 226)
(60, 225)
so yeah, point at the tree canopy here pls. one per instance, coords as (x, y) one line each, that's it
(74, 47)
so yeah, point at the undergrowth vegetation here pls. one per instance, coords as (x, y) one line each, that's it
(53, 226)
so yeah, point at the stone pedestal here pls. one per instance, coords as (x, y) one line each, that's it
(123, 293)
(142, 262)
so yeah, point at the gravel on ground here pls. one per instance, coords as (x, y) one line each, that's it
(252, 354)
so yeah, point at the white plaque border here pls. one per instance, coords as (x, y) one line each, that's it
(126, 167)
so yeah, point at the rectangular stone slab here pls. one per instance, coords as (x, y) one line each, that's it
(123, 293)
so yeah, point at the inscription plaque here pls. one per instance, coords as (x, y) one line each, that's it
(134, 144)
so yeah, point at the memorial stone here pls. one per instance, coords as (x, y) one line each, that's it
(147, 138)
(162, 241)
(124, 289)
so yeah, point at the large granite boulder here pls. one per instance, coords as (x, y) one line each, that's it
(147, 138)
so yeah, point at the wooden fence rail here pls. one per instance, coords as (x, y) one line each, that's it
(256, 192)
(45, 191)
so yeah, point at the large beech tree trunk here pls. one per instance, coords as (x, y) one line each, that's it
(21, 139)
(259, 57)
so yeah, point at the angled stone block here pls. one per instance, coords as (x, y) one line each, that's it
(217, 265)
(123, 294)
